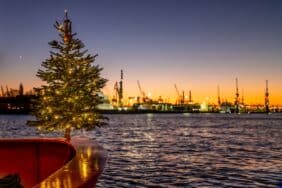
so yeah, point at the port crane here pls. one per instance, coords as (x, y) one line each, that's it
(179, 97)
(236, 104)
(190, 97)
(143, 95)
(177, 92)
(218, 96)
(266, 97)
(2, 91)
(118, 91)
(8, 94)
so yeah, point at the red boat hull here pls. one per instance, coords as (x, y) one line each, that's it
(52, 162)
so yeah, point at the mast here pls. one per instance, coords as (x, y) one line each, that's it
(237, 97)
(266, 97)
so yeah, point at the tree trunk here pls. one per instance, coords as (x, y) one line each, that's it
(67, 134)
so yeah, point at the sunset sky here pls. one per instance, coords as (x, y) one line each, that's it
(195, 44)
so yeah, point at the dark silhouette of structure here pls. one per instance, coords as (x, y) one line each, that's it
(218, 96)
(118, 91)
(190, 97)
(236, 103)
(266, 97)
(21, 90)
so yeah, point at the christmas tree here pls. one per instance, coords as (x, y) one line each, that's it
(73, 86)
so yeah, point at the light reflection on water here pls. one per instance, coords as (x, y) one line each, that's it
(192, 150)
(184, 150)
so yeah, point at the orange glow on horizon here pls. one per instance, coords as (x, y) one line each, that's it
(253, 95)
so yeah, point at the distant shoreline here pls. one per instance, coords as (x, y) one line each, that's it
(105, 112)
(23, 104)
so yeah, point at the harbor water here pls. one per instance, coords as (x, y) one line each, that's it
(182, 150)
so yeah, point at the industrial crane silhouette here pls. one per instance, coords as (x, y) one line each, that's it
(143, 95)
(118, 91)
(266, 97)
(236, 103)
(218, 96)
(180, 99)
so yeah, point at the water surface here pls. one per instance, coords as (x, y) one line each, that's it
(183, 150)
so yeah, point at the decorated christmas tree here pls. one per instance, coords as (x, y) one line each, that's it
(72, 86)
